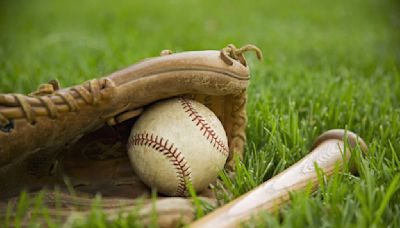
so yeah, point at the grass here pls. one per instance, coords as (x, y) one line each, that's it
(328, 64)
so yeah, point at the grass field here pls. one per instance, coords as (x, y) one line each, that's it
(328, 64)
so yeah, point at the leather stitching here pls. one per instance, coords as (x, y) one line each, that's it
(205, 128)
(172, 153)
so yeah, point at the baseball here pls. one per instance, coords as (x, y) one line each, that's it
(176, 141)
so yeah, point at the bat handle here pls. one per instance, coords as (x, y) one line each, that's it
(328, 150)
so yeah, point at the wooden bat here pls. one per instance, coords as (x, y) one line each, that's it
(329, 149)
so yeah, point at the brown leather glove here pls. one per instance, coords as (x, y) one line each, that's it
(76, 137)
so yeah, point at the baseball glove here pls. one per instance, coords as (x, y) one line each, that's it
(75, 138)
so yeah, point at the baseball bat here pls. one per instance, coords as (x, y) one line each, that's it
(328, 150)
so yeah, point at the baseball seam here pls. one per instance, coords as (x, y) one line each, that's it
(205, 128)
(167, 149)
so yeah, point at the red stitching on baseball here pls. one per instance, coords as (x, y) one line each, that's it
(172, 153)
(208, 132)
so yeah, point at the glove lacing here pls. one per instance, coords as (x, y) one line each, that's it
(47, 101)
(232, 52)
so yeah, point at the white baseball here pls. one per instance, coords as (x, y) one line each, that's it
(175, 141)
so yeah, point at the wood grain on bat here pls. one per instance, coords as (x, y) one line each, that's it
(329, 151)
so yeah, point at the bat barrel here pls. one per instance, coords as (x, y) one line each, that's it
(352, 138)
(327, 152)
